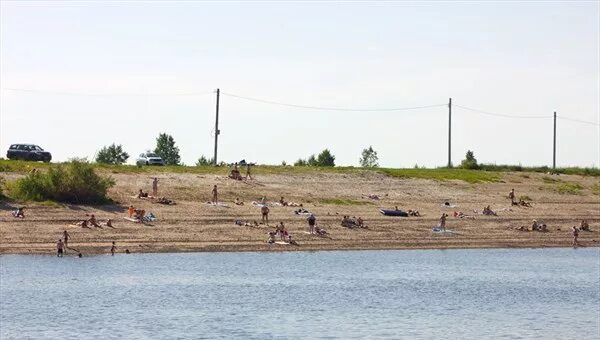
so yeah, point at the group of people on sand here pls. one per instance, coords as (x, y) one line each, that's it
(521, 202)
(136, 214)
(235, 173)
(93, 222)
(353, 222)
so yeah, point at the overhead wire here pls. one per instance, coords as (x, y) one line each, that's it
(83, 94)
(323, 108)
(501, 114)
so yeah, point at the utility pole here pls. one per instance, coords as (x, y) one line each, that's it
(554, 147)
(217, 132)
(450, 132)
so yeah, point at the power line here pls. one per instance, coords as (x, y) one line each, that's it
(578, 120)
(60, 93)
(501, 114)
(329, 108)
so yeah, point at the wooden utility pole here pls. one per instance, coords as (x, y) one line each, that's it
(554, 146)
(450, 132)
(217, 132)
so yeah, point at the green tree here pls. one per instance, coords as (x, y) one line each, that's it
(369, 158)
(312, 161)
(325, 158)
(112, 154)
(166, 149)
(203, 161)
(300, 162)
(470, 162)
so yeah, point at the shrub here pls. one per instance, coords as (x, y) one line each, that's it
(75, 182)
(300, 162)
(312, 161)
(325, 158)
(203, 161)
(470, 162)
(112, 154)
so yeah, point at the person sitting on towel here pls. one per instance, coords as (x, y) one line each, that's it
(93, 222)
(19, 213)
(584, 226)
(282, 202)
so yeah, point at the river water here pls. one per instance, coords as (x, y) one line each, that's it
(443, 294)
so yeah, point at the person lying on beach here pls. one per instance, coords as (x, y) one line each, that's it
(83, 224)
(348, 222)
(523, 203)
(282, 202)
(109, 223)
(320, 231)
(414, 213)
(488, 211)
(238, 201)
(246, 223)
(372, 196)
(460, 214)
(19, 213)
(142, 194)
(164, 200)
(301, 211)
(93, 222)
(584, 226)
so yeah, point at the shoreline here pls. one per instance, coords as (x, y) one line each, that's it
(278, 248)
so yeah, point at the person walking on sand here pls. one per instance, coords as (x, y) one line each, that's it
(214, 194)
(113, 249)
(312, 221)
(59, 248)
(155, 187)
(511, 195)
(575, 236)
(66, 237)
(443, 221)
(248, 175)
(265, 214)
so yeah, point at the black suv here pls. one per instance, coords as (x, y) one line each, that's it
(28, 152)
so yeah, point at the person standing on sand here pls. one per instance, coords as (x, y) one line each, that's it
(265, 214)
(511, 195)
(248, 175)
(155, 187)
(575, 236)
(113, 249)
(215, 194)
(443, 221)
(59, 248)
(66, 237)
(312, 221)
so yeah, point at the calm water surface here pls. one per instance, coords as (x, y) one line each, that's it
(527, 293)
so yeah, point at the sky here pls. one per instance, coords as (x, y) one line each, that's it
(79, 75)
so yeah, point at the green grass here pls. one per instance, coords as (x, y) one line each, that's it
(490, 173)
(568, 188)
(596, 189)
(343, 201)
(444, 174)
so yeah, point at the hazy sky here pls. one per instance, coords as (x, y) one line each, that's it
(104, 72)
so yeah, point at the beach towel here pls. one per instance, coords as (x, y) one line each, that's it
(394, 212)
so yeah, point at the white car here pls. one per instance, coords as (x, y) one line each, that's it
(149, 158)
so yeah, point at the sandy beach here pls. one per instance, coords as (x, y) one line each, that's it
(193, 225)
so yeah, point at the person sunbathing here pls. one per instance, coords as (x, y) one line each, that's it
(93, 222)
(584, 226)
(320, 231)
(109, 223)
(301, 211)
(164, 200)
(19, 213)
(238, 201)
(142, 194)
(414, 213)
(489, 212)
(523, 203)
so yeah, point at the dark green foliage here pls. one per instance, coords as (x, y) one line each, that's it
(300, 162)
(112, 154)
(325, 158)
(203, 161)
(75, 182)
(166, 149)
(469, 162)
(369, 158)
(312, 161)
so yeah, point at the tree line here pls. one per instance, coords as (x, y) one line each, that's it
(167, 150)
